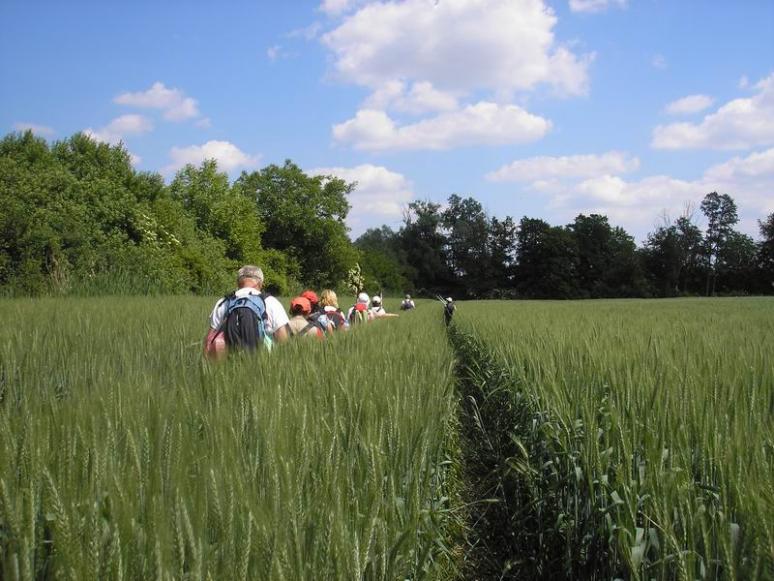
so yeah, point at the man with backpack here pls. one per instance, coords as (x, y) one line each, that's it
(407, 304)
(247, 319)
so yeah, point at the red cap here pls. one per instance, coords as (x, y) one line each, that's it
(300, 304)
(311, 296)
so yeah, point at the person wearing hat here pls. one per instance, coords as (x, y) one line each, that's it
(377, 310)
(300, 326)
(358, 313)
(407, 304)
(318, 316)
(448, 310)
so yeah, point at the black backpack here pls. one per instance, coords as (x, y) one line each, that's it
(244, 325)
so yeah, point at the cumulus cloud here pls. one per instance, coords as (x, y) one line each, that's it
(120, 127)
(547, 168)
(380, 196)
(335, 7)
(480, 124)
(739, 124)
(228, 156)
(422, 97)
(176, 106)
(689, 104)
(595, 5)
(636, 204)
(457, 46)
(40, 130)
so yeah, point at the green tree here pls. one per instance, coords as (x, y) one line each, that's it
(467, 241)
(547, 260)
(720, 211)
(425, 246)
(765, 259)
(304, 218)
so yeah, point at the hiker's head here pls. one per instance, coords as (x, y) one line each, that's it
(376, 301)
(408, 297)
(328, 298)
(363, 298)
(300, 306)
(250, 276)
(311, 296)
(448, 299)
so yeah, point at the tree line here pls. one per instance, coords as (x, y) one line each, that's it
(76, 217)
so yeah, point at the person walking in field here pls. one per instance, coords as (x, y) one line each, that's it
(330, 305)
(448, 310)
(358, 313)
(246, 319)
(300, 325)
(318, 315)
(377, 310)
(407, 304)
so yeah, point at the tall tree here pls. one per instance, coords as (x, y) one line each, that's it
(425, 246)
(467, 240)
(304, 217)
(547, 260)
(502, 252)
(766, 255)
(720, 211)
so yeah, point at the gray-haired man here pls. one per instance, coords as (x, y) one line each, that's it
(269, 311)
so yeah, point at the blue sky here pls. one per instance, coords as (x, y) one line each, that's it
(544, 108)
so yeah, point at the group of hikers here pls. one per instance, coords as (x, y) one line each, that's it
(248, 318)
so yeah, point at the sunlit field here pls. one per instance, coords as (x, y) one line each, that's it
(642, 438)
(124, 455)
(548, 440)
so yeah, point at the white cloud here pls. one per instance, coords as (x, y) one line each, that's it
(228, 156)
(457, 46)
(380, 196)
(546, 168)
(595, 5)
(173, 102)
(120, 127)
(421, 98)
(744, 82)
(739, 124)
(135, 160)
(637, 204)
(40, 130)
(689, 104)
(480, 124)
(335, 7)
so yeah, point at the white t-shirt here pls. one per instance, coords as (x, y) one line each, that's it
(275, 312)
(375, 312)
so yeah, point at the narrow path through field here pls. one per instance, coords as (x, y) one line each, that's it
(485, 427)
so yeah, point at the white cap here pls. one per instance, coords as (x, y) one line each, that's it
(362, 298)
(376, 299)
(448, 299)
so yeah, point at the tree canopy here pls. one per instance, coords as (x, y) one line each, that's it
(76, 217)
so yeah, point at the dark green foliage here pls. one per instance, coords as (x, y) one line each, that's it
(303, 218)
(75, 217)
